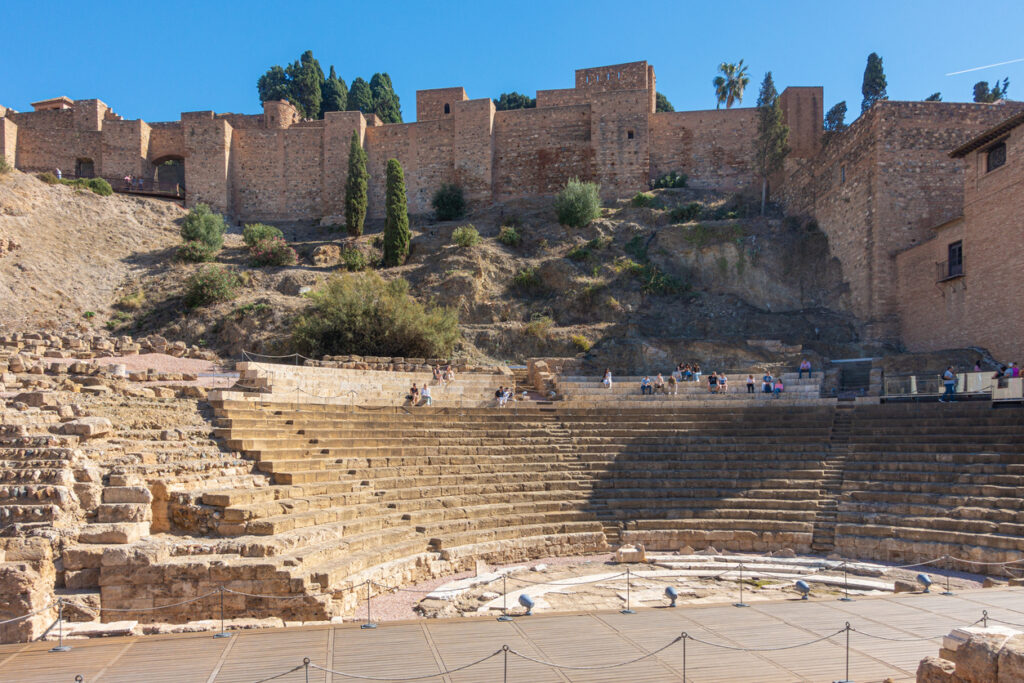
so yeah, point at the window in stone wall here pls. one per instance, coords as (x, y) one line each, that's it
(629, 135)
(447, 108)
(842, 175)
(955, 259)
(995, 157)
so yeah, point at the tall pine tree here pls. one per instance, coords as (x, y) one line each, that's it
(835, 122)
(359, 97)
(873, 87)
(335, 94)
(771, 144)
(355, 187)
(396, 217)
(385, 100)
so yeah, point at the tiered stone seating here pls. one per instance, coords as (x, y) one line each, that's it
(736, 478)
(923, 481)
(626, 390)
(337, 386)
(36, 475)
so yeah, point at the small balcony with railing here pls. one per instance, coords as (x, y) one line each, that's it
(948, 270)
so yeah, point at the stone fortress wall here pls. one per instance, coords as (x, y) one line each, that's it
(274, 166)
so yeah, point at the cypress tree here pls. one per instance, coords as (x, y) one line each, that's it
(306, 76)
(874, 84)
(385, 100)
(335, 94)
(359, 97)
(355, 187)
(770, 145)
(396, 219)
(274, 85)
(835, 122)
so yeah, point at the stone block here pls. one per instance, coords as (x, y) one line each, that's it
(127, 494)
(88, 427)
(124, 512)
(82, 578)
(37, 399)
(113, 533)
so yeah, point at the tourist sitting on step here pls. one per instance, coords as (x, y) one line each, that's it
(673, 384)
(677, 374)
(696, 372)
(607, 379)
(767, 382)
(414, 394)
(425, 394)
(499, 393)
(723, 383)
(659, 384)
(805, 366)
(713, 383)
(645, 386)
(778, 388)
(750, 384)
(438, 374)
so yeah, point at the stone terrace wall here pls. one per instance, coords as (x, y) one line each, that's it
(712, 147)
(537, 149)
(425, 152)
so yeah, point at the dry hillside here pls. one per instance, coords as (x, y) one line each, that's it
(639, 285)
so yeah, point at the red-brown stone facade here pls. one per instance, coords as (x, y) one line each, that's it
(274, 166)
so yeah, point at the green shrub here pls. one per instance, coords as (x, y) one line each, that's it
(203, 225)
(5, 167)
(528, 281)
(48, 178)
(89, 314)
(133, 301)
(540, 326)
(211, 284)
(582, 343)
(119, 320)
(195, 251)
(509, 236)
(637, 248)
(272, 251)
(465, 236)
(362, 314)
(254, 232)
(643, 199)
(449, 203)
(254, 308)
(353, 259)
(578, 203)
(654, 281)
(99, 186)
(582, 252)
(686, 213)
(671, 179)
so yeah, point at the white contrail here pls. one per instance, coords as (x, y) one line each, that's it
(979, 68)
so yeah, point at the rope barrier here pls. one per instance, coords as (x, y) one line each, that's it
(765, 649)
(26, 616)
(304, 664)
(602, 666)
(446, 672)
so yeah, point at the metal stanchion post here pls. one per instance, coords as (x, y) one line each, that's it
(685, 636)
(628, 609)
(504, 649)
(504, 599)
(741, 603)
(305, 664)
(369, 621)
(846, 678)
(948, 591)
(846, 586)
(60, 647)
(223, 632)
(79, 678)
(984, 618)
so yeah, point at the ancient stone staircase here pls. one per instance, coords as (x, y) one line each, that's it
(824, 538)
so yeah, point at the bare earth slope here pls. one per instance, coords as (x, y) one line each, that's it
(74, 248)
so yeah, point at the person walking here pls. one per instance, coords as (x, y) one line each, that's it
(949, 380)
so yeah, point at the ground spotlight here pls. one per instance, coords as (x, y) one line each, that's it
(672, 595)
(925, 581)
(804, 589)
(527, 602)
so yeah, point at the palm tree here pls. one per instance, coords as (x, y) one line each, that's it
(729, 86)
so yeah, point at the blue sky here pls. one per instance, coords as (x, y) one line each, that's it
(153, 60)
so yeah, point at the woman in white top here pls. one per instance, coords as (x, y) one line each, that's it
(607, 380)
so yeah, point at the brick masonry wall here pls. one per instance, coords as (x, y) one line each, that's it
(619, 137)
(207, 150)
(430, 103)
(165, 140)
(983, 307)
(8, 140)
(425, 151)
(125, 146)
(880, 187)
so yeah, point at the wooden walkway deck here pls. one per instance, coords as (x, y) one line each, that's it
(415, 649)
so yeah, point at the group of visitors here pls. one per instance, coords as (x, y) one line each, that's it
(418, 396)
(718, 382)
(443, 376)
(503, 395)
(133, 182)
